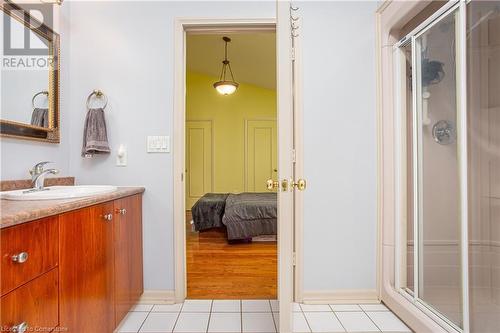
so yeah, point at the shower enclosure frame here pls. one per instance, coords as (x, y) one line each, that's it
(400, 159)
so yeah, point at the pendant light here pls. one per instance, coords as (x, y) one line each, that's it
(224, 86)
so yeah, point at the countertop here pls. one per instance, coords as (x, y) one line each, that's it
(17, 212)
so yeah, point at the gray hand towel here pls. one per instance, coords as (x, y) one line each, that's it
(40, 117)
(95, 137)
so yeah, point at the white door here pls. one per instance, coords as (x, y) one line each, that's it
(287, 152)
(260, 154)
(198, 160)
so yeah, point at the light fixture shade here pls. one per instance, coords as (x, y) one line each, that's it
(226, 87)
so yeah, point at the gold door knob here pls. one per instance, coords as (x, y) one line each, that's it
(272, 184)
(301, 184)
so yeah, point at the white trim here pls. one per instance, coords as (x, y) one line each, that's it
(417, 169)
(285, 164)
(157, 297)
(179, 137)
(299, 166)
(380, 141)
(463, 157)
(427, 24)
(398, 56)
(342, 296)
(442, 321)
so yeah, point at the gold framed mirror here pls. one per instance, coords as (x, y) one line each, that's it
(30, 75)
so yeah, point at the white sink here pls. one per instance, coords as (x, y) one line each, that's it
(58, 192)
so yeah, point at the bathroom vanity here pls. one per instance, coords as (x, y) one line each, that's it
(72, 265)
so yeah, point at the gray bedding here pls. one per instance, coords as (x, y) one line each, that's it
(208, 211)
(250, 214)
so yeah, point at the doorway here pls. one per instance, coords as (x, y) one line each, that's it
(231, 153)
(285, 146)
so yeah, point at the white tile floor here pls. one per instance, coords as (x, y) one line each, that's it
(254, 316)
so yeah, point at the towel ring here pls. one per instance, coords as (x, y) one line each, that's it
(43, 92)
(98, 94)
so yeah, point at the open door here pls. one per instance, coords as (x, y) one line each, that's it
(288, 182)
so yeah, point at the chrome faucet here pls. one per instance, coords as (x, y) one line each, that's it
(38, 176)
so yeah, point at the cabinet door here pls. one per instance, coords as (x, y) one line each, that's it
(38, 240)
(33, 304)
(122, 243)
(137, 283)
(86, 270)
(128, 254)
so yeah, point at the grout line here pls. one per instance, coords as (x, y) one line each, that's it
(142, 324)
(307, 321)
(304, 315)
(241, 315)
(339, 321)
(178, 315)
(366, 314)
(274, 318)
(210, 314)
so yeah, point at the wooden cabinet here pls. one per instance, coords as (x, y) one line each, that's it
(86, 270)
(128, 254)
(34, 304)
(80, 271)
(28, 250)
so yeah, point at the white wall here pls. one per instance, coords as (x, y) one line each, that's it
(339, 144)
(126, 49)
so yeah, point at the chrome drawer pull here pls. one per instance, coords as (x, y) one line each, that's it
(123, 211)
(108, 217)
(20, 258)
(21, 328)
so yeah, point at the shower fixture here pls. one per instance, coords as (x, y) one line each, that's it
(432, 72)
(444, 132)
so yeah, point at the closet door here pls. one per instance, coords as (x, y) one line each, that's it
(199, 156)
(260, 154)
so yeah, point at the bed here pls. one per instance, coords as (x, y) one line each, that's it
(245, 215)
(208, 211)
(249, 215)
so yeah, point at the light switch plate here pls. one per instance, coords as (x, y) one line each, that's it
(158, 144)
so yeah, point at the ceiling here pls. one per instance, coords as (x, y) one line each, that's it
(252, 56)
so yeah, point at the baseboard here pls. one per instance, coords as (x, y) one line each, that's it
(346, 296)
(157, 297)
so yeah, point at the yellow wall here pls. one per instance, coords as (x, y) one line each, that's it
(228, 115)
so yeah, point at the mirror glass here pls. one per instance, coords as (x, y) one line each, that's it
(29, 76)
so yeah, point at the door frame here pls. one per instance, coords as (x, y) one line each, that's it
(285, 107)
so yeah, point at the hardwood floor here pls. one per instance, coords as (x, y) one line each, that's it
(218, 270)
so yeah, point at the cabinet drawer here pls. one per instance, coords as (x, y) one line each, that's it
(28, 250)
(35, 304)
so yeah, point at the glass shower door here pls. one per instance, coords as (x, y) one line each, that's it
(436, 158)
(483, 97)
